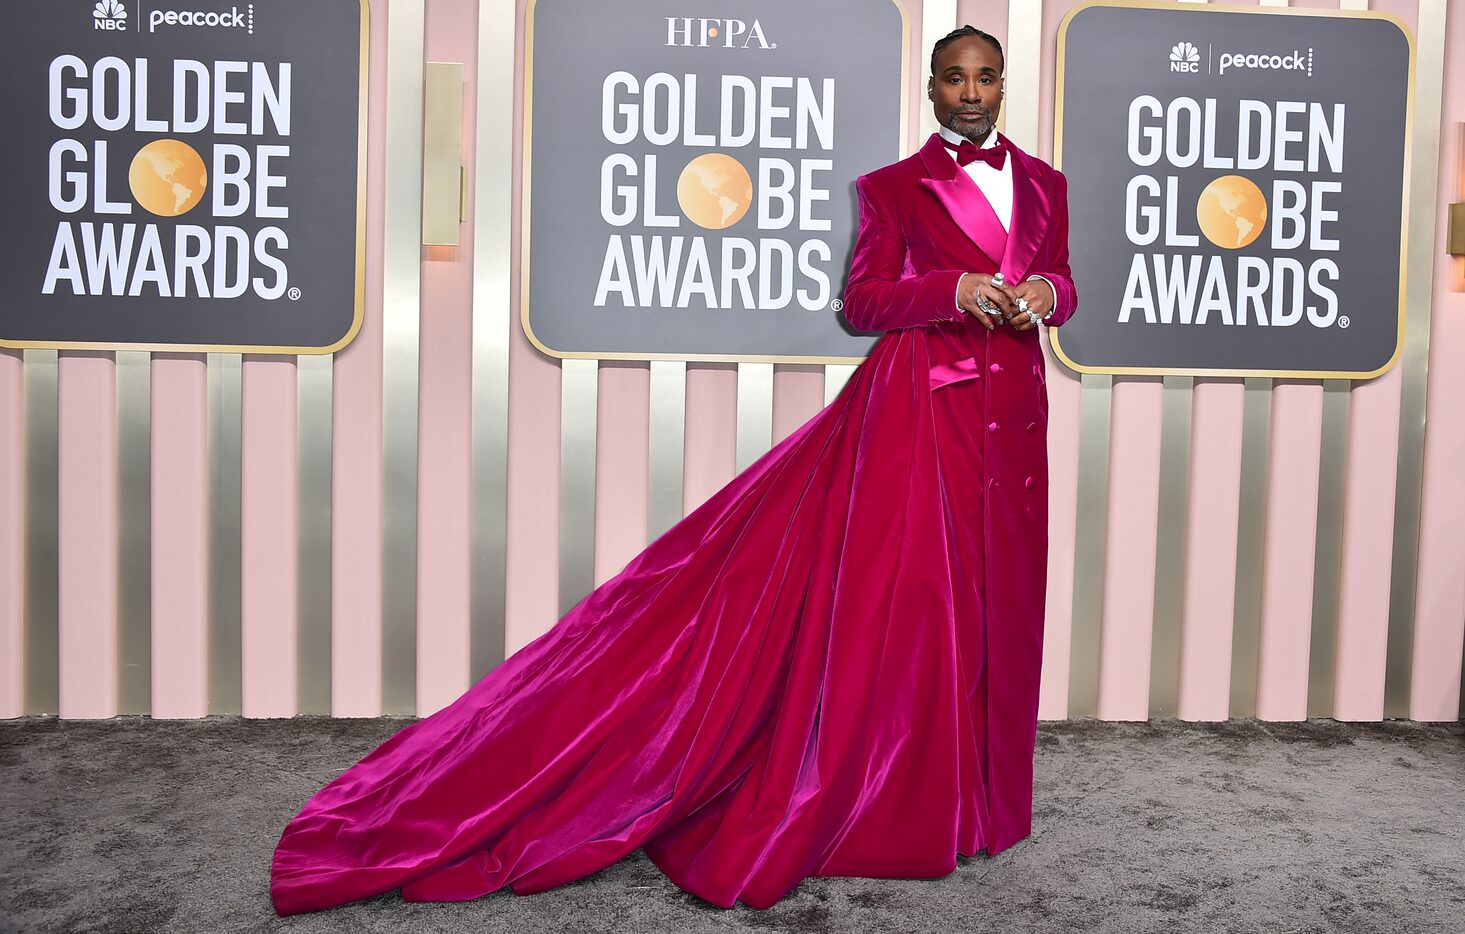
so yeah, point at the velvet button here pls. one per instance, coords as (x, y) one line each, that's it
(991, 426)
(1029, 482)
(995, 368)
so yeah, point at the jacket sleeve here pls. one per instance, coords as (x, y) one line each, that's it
(877, 296)
(1059, 275)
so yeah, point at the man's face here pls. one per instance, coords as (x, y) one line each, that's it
(966, 89)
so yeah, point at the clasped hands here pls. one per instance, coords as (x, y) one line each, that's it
(1001, 300)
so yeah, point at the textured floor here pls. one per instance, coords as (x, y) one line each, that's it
(132, 825)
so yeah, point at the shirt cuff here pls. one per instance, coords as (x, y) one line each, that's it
(1052, 288)
(956, 299)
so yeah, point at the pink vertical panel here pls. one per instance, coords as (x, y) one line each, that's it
(444, 405)
(1213, 513)
(12, 534)
(87, 533)
(533, 525)
(270, 535)
(356, 442)
(180, 545)
(622, 444)
(711, 431)
(798, 395)
(1366, 554)
(1366, 562)
(1129, 572)
(1064, 389)
(1289, 545)
(1439, 608)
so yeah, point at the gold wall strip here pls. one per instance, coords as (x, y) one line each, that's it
(579, 401)
(493, 321)
(1170, 545)
(1323, 645)
(225, 398)
(1251, 529)
(442, 148)
(402, 301)
(42, 633)
(836, 375)
(1092, 521)
(314, 392)
(1419, 291)
(1024, 53)
(666, 455)
(134, 532)
(938, 17)
(755, 412)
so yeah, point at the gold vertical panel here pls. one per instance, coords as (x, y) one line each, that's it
(402, 267)
(938, 17)
(1323, 645)
(579, 401)
(755, 412)
(225, 400)
(134, 532)
(493, 322)
(42, 633)
(666, 455)
(836, 375)
(314, 393)
(1423, 154)
(1251, 529)
(442, 151)
(1170, 545)
(1092, 522)
(1024, 71)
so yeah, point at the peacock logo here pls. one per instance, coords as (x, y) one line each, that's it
(1184, 58)
(109, 15)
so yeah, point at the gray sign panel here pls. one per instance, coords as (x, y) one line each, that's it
(184, 176)
(1236, 189)
(690, 173)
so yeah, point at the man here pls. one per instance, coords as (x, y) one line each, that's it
(961, 255)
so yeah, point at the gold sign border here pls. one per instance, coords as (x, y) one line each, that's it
(1053, 334)
(359, 314)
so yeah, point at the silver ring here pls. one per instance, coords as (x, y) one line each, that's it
(983, 304)
(998, 280)
(1032, 316)
(1022, 303)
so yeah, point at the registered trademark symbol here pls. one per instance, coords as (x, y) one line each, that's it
(1343, 321)
(294, 294)
(837, 304)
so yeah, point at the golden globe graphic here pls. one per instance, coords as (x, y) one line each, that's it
(168, 177)
(715, 191)
(1231, 212)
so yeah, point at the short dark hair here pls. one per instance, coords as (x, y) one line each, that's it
(959, 32)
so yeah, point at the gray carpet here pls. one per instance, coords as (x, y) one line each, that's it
(132, 825)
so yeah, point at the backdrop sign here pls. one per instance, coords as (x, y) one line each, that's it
(693, 166)
(1236, 189)
(183, 178)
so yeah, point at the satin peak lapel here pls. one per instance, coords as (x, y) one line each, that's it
(963, 200)
(1031, 213)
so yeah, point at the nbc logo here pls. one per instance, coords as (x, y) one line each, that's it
(1184, 57)
(109, 14)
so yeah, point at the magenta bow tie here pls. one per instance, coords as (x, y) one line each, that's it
(968, 151)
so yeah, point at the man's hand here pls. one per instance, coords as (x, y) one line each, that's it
(1039, 297)
(1001, 298)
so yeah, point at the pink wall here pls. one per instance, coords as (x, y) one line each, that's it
(1129, 621)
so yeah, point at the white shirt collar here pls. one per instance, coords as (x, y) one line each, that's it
(956, 139)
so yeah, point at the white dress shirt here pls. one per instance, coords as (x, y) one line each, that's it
(994, 184)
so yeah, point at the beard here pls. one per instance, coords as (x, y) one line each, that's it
(976, 132)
